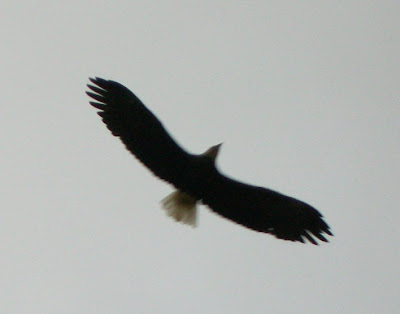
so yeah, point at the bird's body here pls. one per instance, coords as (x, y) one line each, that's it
(196, 177)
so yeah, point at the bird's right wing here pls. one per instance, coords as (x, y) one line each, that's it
(265, 210)
(140, 130)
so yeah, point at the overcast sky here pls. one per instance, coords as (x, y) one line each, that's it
(305, 97)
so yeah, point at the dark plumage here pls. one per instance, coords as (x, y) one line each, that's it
(196, 177)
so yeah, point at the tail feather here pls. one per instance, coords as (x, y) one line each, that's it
(181, 207)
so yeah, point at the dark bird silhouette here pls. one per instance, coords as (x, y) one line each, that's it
(196, 177)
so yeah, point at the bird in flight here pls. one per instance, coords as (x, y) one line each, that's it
(196, 177)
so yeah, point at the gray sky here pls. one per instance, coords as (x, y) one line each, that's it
(305, 96)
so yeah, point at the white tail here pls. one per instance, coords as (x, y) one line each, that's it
(181, 207)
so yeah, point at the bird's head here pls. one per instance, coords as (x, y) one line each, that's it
(212, 152)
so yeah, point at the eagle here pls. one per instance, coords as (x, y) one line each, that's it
(196, 177)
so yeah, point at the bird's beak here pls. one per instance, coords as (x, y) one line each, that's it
(217, 148)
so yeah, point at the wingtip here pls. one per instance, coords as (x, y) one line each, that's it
(96, 79)
(310, 238)
(97, 105)
(93, 80)
(100, 82)
(321, 237)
